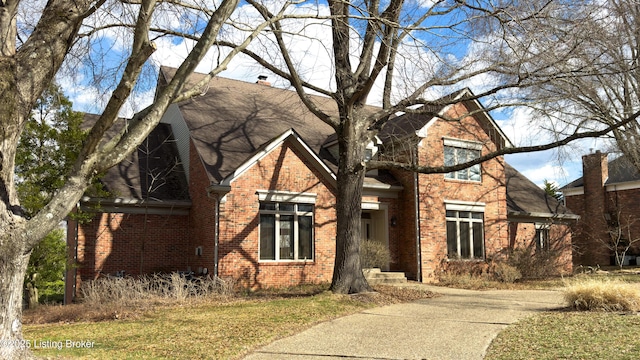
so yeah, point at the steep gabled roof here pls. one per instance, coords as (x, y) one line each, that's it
(230, 123)
(297, 142)
(403, 126)
(526, 200)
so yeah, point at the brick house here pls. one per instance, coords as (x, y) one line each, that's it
(607, 198)
(240, 182)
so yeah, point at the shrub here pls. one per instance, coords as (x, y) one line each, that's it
(172, 286)
(506, 273)
(602, 294)
(534, 264)
(373, 254)
(465, 267)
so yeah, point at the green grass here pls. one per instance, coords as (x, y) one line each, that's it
(569, 335)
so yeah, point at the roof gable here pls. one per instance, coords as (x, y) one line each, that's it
(234, 119)
(298, 143)
(411, 124)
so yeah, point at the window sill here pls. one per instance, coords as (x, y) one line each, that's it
(466, 260)
(285, 262)
(472, 182)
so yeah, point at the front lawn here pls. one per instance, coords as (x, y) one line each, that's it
(569, 335)
(607, 331)
(206, 329)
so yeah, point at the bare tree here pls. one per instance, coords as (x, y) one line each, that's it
(621, 234)
(36, 39)
(416, 51)
(604, 90)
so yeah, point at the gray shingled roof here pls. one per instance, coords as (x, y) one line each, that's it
(526, 198)
(404, 126)
(620, 170)
(234, 119)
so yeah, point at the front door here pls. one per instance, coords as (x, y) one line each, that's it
(367, 230)
(373, 232)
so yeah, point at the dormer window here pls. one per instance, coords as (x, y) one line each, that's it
(459, 152)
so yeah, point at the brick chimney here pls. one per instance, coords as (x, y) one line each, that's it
(595, 171)
(262, 80)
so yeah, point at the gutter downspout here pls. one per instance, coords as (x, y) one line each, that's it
(417, 217)
(216, 193)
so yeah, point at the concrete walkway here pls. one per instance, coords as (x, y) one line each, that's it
(458, 325)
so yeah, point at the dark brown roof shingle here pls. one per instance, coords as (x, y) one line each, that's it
(525, 197)
(234, 119)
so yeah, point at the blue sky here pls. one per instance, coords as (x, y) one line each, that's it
(315, 64)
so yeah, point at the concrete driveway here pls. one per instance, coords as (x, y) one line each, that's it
(458, 325)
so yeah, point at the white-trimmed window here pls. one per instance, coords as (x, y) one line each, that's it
(465, 231)
(459, 152)
(542, 237)
(286, 231)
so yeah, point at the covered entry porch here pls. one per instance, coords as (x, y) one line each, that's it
(375, 252)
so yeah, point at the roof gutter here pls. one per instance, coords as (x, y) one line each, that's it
(521, 216)
(216, 192)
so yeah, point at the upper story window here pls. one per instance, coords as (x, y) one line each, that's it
(459, 152)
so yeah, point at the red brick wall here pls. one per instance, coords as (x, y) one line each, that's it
(202, 215)
(595, 173)
(434, 189)
(113, 242)
(522, 236)
(284, 170)
(597, 202)
(403, 235)
(586, 245)
(625, 206)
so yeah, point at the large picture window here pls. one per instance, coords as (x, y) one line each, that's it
(465, 234)
(459, 152)
(286, 231)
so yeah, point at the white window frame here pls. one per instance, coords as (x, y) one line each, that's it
(542, 236)
(296, 213)
(457, 145)
(463, 206)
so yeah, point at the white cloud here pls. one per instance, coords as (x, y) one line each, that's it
(312, 54)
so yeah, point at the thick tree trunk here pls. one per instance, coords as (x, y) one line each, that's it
(13, 267)
(347, 274)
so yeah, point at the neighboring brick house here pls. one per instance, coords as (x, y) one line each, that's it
(607, 198)
(251, 192)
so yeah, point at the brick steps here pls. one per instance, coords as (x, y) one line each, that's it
(376, 276)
